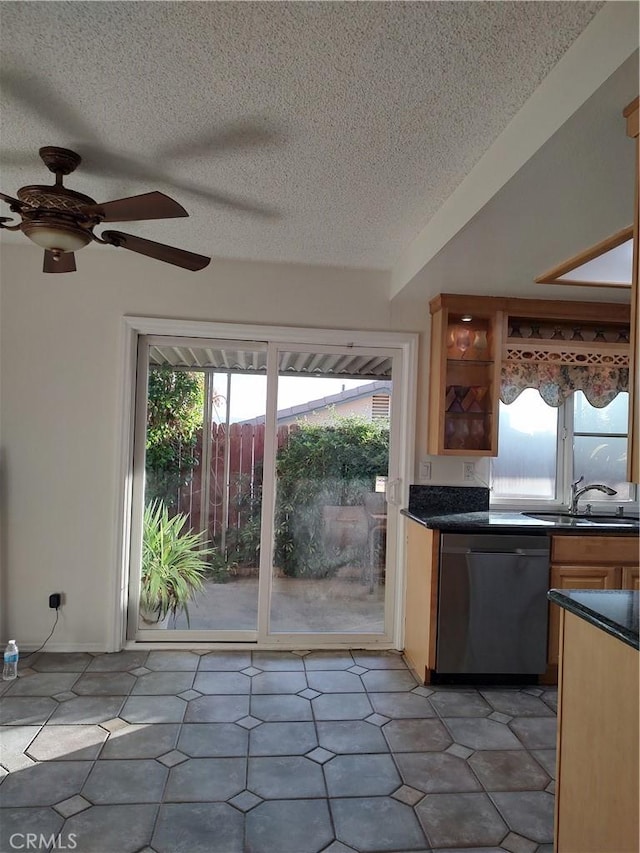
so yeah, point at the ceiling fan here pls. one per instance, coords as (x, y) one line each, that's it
(61, 220)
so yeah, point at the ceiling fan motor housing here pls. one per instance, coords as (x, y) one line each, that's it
(54, 198)
(54, 218)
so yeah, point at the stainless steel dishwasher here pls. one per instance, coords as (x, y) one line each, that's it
(492, 604)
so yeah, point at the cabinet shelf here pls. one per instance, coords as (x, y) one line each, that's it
(483, 415)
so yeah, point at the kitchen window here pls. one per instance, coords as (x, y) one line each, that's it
(542, 450)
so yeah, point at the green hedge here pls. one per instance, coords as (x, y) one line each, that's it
(174, 416)
(324, 466)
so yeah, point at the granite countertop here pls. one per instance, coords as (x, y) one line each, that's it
(458, 508)
(614, 611)
(498, 521)
(484, 520)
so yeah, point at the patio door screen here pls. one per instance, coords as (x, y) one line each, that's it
(265, 492)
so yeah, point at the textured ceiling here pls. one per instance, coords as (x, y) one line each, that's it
(310, 132)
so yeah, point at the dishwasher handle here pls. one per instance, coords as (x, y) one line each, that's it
(523, 552)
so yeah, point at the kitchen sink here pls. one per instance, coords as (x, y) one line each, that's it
(584, 520)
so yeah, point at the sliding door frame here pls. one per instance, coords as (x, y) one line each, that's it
(127, 534)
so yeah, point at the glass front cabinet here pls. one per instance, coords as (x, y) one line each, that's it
(466, 352)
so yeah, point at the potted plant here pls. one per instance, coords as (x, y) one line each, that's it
(174, 564)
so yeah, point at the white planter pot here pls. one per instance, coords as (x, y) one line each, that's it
(149, 619)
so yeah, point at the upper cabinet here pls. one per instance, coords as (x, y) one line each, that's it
(631, 114)
(483, 348)
(466, 351)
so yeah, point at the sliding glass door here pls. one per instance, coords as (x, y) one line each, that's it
(265, 492)
(332, 471)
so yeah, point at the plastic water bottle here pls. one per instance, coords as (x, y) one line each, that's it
(10, 668)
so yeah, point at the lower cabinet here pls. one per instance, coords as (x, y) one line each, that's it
(597, 780)
(631, 578)
(577, 562)
(589, 562)
(421, 600)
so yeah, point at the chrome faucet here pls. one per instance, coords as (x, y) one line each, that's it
(577, 493)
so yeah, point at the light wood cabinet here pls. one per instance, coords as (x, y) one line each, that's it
(576, 577)
(588, 562)
(631, 578)
(421, 607)
(597, 782)
(466, 353)
(590, 550)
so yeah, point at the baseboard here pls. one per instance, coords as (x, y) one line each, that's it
(98, 648)
(203, 645)
(91, 648)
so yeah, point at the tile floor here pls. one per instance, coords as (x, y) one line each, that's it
(270, 752)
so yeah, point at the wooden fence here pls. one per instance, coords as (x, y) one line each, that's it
(244, 444)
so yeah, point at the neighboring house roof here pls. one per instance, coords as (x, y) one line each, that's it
(345, 396)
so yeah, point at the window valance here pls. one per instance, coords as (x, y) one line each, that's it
(599, 383)
(560, 357)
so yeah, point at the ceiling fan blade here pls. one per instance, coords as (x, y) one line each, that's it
(14, 202)
(99, 161)
(159, 251)
(65, 262)
(154, 205)
(227, 200)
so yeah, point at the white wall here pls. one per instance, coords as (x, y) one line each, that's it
(61, 357)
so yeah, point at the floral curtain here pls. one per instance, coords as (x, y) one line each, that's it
(556, 382)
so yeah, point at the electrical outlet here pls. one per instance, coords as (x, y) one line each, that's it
(469, 472)
(425, 470)
(55, 600)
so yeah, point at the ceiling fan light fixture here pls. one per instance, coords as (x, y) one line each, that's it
(54, 236)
